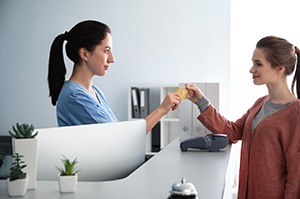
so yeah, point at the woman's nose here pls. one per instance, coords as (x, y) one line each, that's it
(111, 58)
(252, 69)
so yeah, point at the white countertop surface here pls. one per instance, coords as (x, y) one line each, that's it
(153, 180)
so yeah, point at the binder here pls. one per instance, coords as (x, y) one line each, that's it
(144, 102)
(155, 136)
(135, 102)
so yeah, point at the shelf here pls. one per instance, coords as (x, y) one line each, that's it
(169, 124)
(151, 153)
(169, 120)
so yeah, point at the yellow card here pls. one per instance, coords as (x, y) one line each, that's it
(183, 92)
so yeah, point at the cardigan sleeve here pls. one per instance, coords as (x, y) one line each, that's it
(291, 146)
(218, 124)
(292, 187)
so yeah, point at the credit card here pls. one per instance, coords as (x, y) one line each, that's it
(183, 92)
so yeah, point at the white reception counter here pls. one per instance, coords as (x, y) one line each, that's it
(153, 180)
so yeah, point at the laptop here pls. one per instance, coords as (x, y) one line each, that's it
(108, 151)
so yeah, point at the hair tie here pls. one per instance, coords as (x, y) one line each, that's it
(297, 50)
(66, 35)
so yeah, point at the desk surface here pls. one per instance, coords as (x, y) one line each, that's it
(153, 180)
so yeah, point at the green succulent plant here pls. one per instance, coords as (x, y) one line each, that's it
(69, 167)
(23, 131)
(16, 168)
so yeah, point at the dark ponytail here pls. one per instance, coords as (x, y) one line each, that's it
(56, 68)
(296, 78)
(86, 34)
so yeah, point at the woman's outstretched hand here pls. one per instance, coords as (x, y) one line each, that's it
(195, 93)
(171, 101)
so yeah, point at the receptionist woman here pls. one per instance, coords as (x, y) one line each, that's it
(78, 101)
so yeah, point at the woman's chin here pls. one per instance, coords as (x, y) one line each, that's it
(257, 83)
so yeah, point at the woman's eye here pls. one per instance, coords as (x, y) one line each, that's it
(258, 64)
(107, 49)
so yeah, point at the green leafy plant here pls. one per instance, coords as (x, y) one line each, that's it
(69, 167)
(16, 168)
(23, 131)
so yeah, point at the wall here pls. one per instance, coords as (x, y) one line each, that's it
(251, 21)
(157, 42)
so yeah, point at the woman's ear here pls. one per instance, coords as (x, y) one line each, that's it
(279, 68)
(84, 54)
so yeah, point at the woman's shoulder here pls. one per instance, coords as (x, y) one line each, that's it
(72, 90)
(296, 106)
(69, 85)
(292, 112)
(261, 100)
(298, 102)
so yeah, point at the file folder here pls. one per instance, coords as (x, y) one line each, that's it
(155, 136)
(144, 102)
(135, 102)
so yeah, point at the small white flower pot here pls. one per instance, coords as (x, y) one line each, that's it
(17, 187)
(28, 148)
(67, 184)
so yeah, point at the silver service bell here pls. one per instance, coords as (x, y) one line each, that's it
(183, 190)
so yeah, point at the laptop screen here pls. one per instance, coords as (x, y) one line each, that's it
(106, 151)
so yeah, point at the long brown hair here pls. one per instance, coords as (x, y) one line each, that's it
(280, 52)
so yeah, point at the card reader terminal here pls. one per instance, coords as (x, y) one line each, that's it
(210, 142)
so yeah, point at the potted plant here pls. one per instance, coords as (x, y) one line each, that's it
(23, 131)
(17, 182)
(67, 179)
(24, 142)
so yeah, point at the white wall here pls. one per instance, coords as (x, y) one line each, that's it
(157, 42)
(251, 21)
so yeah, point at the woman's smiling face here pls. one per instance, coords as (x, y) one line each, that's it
(262, 70)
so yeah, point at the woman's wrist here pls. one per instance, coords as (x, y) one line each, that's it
(203, 103)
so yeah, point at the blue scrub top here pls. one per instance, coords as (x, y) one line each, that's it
(77, 106)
